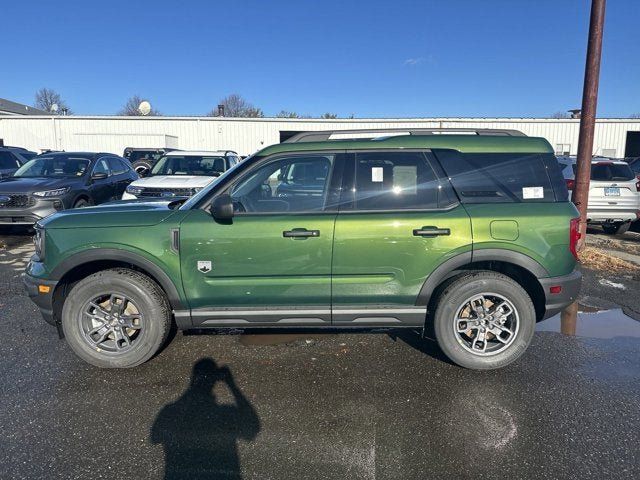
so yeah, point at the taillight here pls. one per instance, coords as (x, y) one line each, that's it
(571, 183)
(574, 236)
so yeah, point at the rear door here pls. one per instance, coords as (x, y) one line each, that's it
(120, 177)
(398, 221)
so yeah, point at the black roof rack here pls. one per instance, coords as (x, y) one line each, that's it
(321, 135)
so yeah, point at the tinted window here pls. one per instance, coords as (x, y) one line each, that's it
(189, 165)
(294, 184)
(7, 160)
(54, 166)
(396, 180)
(117, 167)
(149, 156)
(101, 166)
(611, 172)
(500, 177)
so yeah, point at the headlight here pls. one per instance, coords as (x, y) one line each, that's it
(38, 243)
(52, 193)
(134, 190)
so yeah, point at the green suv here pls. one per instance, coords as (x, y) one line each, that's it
(468, 236)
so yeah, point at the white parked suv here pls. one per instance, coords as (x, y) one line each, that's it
(181, 174)
(614, 201)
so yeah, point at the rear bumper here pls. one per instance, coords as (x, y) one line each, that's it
(570, 289)
(44, 301)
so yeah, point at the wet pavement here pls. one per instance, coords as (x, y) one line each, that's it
(323, 406)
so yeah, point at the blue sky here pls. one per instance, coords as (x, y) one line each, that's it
(369, 58)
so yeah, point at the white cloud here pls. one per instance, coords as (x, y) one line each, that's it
(414, 61)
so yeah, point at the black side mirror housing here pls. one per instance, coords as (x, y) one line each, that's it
(222, 207)
(98, 176)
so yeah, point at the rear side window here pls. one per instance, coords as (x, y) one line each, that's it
(397, 181)
(503, 177)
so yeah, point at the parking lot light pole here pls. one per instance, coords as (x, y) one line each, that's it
(580, 195)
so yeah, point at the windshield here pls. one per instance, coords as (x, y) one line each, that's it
(58, 166)
(205, 191)
(189, 165)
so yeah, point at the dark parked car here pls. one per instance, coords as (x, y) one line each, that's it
(57, 181)
(11, 158)
(143, 159)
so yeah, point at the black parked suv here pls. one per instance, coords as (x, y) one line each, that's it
(143, 159)
(12, 158)
(57, 181)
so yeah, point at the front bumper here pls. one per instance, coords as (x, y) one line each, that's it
(570, 289)
(44, 301)
(29, 215)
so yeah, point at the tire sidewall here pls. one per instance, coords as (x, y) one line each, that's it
(461, 291)
(106, 283)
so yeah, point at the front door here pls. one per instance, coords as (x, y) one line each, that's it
(272, 263)
(398, 221)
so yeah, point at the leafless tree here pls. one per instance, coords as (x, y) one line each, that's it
(131, 108)
(560, 114)
(46, 98)
(287, 114)
(634, 115)
(236, 106)
(329, 115)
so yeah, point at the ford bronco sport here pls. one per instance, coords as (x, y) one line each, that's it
(468, 236)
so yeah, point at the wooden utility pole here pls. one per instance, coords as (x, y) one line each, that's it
(588, 118)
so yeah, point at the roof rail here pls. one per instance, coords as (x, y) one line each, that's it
(321, 135)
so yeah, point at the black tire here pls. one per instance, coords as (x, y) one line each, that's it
(141, 167)
(454, 297)
(81, 203)
(616, 228)
(144, 294)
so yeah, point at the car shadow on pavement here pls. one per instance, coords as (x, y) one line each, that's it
(200, 435)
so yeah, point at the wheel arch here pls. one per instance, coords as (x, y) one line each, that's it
(519, 267)
(85, 263)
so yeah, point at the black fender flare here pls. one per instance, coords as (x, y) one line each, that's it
(112, 254)
(445, 269)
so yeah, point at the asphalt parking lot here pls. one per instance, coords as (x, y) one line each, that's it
(323, 406)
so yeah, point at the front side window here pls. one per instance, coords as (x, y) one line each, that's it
(293, 184)
(396, 181)
(189, 165)
(54, 166)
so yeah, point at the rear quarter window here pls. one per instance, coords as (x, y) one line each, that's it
(504, 177)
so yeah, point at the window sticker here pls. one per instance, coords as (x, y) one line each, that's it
(377, 174)
(532, 192)
(405, 179)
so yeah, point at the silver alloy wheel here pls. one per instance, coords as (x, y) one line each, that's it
(111, 323)
(486, 324)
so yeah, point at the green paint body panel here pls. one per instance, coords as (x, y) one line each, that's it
(543, 231)
(378, 260)
(253, 265)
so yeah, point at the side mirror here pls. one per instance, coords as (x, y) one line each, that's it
(99, 176)
(222, 207)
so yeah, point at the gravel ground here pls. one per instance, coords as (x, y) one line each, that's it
(318, 406)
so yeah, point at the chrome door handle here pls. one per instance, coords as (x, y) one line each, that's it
(430, 232)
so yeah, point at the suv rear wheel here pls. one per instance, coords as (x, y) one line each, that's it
(116, 318)
(616, 228)
(484, 320)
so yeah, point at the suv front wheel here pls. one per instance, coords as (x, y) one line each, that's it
(484, 320)
(116, 318)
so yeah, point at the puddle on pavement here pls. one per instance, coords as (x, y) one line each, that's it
(586, 321)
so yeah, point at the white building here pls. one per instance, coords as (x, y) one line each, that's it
(613, 137)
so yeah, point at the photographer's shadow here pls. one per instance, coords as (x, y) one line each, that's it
(198, 434)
